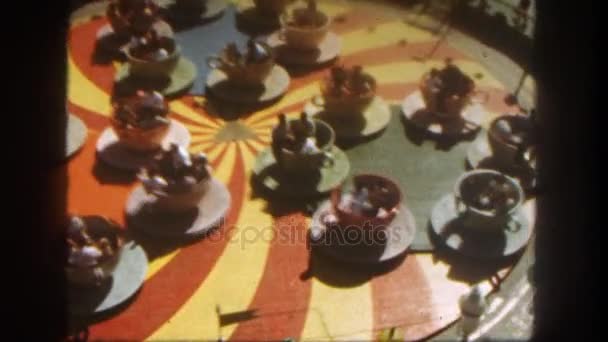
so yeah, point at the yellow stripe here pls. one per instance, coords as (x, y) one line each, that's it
(198, 138)
(412, 71)
(84, 93)
(444, 291)
(203, 146)
(227, 160)
(346, 313)
(178, 107)
(230, 288)
(332, 8)
(158, 263)
(201, 130)
(382, 35)
(293, 96)
(265, 130)
(257, 145)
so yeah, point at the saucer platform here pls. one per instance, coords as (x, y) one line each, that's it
(113, 153)
(268, 174)
(328, 50)
(372, 120)
(479, 155)
(180, 80)
(128, 277)
(209, 214)
(76, 135)
(274, 86)
(448, 230)
(108, 41)
(414, 111)
(399, 234)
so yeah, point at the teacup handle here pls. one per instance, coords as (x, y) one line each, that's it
(318, 101)
(460, 206)
(480, 97)
(329, 160)
(214, 62)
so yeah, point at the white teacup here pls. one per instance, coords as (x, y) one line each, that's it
(475, 217)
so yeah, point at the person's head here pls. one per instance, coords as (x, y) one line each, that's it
(282, 119)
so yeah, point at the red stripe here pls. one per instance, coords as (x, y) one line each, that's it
(403, 298)
(91, 119)
(281, 300)
(251, 149)
(163, 294)
(81, 47)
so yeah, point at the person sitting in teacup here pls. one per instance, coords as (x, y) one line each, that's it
(133, 16)
(298, 136)
(84, 250)
(496, 196)
(364, 202)
(447, 91)
(176, 168)
(306, 17)
(151, 46)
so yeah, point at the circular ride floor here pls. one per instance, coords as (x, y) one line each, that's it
(254, 278)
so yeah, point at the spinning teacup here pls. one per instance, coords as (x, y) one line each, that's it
(346, 91)
(486, 200)
(153, 56)
(510, 137)
(304, 28)
(131, 16)
(448, 91)
(303, 146)
(177, 180)
(140, 120)
(372, 204)
(245, 69)
(96, 244)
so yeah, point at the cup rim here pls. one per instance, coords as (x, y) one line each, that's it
(336, 195)
(474, 172)
(495, 136)
(324, 26)
(332, 134)
(164, 194)
(110, 225)
(174, 55)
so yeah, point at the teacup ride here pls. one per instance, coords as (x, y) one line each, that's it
(191, 12)
(508, 146)
(368, 224)
(484, 216)
(446, 104)
(104, 270)
(349, 103)
(155, 62)
(250, 77)
(127, 19)
(178, 197)
(301, 167)
(305, 38)
(140, 126)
